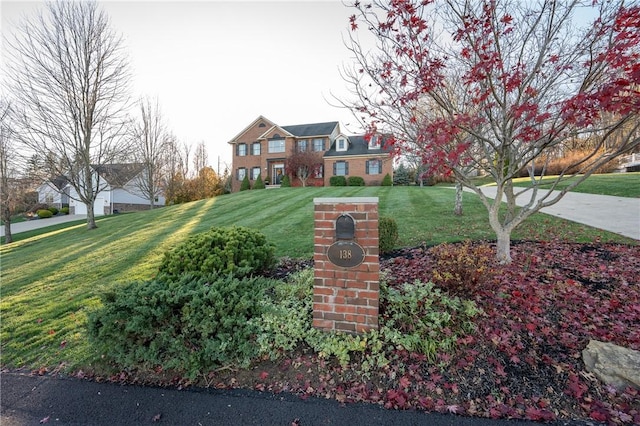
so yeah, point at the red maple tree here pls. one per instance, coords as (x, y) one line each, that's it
(500, 87)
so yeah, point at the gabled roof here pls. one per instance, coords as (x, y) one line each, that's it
(277, 128)
(358, 145)
(118, 175)
(315, 129)
(59, 181)
(253, 123)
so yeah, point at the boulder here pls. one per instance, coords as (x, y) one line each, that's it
(614, 365)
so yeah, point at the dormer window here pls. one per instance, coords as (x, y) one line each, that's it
(374, 142)
(341, 144)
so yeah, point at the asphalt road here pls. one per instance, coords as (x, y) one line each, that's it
(33, 400)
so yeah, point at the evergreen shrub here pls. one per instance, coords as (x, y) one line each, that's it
(190, 325)
(245, 185)
(386, 181)
(337, 181)
(285, 182)
(64, 210)
(44, 213)
(234, 250)
(355, 181)
(53, 210)
(258, 184)
(388, 234)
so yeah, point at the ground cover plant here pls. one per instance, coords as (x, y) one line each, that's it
(45, 300)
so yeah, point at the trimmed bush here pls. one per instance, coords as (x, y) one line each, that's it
(236, 250)
(355, 181)
(44, 213)
(285, 182)
(191, 325)
(337, 181)
(388, 234)
(64, 210)
(386, 181)
(245, 185)
(258, 184)
(53, 210)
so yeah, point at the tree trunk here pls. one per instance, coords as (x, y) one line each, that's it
(457, 210)
(91, 219)
(503, 251)
(8, 238)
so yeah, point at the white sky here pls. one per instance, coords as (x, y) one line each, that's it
(216, 66)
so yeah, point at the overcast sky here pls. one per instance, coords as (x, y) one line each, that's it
(216, 66)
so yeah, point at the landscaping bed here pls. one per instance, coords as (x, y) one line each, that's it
(522, 361)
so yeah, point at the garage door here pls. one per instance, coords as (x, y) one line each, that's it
(98, 207)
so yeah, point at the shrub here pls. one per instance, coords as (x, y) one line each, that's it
(337, 181)
(53, 210)
(386, 181)
(44, 213)
(355, 181)
(388, 234)
(460, 269)
(64, 210)
(285, 182)
(191, 325)
(258, 184)
(401, 175)
(245, 185)
(236, 250)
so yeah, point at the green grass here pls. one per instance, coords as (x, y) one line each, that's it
(617, 184)
(52, 277)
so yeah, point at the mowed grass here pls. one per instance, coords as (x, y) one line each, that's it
(616, 184)
(51, 278)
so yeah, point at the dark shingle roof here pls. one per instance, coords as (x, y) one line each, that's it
(357, 146)
(119, 174)
(316, 129)
(59, 181)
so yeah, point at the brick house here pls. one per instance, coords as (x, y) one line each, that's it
(262, 149)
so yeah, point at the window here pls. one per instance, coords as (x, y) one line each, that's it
(374, 167)
(318, 171)
(242, 172)
(340, 168)
(49, 199)
(255, 172)
(318, 145)
(255, 148)
(242, 149)
(276, 145)
(374, 142)
(341, 144)
(262, 125)
(302, 145)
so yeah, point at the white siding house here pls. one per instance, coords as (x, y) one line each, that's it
(120, 191)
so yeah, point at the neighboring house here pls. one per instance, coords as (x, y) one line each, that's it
(262, 149)
(54, 192)
(121, 191)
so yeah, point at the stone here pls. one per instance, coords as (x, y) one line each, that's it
(614, 365)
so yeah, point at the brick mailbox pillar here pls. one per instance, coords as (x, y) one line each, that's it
(347, 269)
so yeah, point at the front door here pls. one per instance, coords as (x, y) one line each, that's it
(278, 173)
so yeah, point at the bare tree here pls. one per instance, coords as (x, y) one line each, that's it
(68, 77)
(8, 170)
(151, 140)
(176, 162)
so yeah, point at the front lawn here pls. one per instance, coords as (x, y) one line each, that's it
(50, 281)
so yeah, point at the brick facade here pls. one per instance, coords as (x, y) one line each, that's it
(271, 165)
(346, 298)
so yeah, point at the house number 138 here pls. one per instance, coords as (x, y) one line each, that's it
(345, 254)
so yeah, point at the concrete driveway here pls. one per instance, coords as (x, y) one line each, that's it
(30, 225)
(620, 215)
